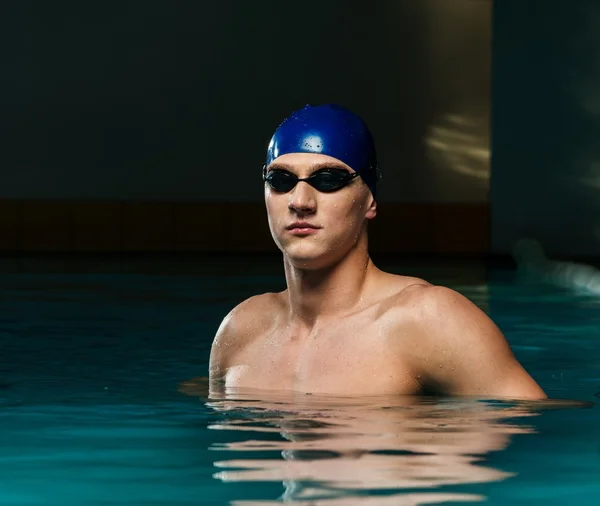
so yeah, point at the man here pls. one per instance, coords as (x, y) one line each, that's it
(343, 326)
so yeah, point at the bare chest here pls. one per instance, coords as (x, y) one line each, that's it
(345, 359)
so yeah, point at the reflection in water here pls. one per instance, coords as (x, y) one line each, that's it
(342, 450)
(461, 144)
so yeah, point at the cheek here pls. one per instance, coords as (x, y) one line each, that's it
(347, 214)
(352, 208)
(276, 210)
(272, 204)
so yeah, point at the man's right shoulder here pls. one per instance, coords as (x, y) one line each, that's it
(249, 318)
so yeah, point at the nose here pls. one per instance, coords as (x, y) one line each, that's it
(302, 199)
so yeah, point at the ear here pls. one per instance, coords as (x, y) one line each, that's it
(371, 209)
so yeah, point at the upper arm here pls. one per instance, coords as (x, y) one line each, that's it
(243, 322)
(227, 340)
(467, 353)
(218, 352)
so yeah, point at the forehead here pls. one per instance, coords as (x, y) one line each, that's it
(306, 162)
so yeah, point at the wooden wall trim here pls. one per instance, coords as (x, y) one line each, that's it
(130, 226)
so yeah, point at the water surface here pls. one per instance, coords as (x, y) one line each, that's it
(92, 412)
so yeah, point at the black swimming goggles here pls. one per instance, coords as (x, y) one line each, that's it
(324, 180)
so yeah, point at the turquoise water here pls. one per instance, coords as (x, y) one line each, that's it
(91, 412)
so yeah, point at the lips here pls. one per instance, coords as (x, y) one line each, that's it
(302, 225)
(302, 228)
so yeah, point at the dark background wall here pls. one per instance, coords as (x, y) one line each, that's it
(546, 126)
(170, 101)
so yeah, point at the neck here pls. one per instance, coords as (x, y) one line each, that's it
(315, 294)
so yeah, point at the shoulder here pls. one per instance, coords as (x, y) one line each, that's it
(458, 349)
(439, 313)
(439, 303)
(251, 318)
(393, 290)
(415, 299)
(426, 313)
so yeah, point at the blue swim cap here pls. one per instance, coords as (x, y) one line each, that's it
(332, 130)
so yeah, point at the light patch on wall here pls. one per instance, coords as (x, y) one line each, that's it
(457, 139)
(456, 143)
(582, 86)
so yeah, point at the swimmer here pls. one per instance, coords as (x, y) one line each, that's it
(343, 326)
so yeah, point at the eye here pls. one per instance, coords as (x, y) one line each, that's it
(279, 175)
(281, 180)
(331, 173)
(327, 175)
(330, 178)
(278, 172)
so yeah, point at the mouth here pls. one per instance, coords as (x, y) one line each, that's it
(302, 228)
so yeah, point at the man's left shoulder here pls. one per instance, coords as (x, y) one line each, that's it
(438, 310)
(442, 299)
(455, 348)
(429, 298)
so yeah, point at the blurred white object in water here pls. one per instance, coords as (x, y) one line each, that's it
(531, 259)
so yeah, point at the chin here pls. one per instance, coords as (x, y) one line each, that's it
(307, 256)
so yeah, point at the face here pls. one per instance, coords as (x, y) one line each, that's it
(315, 228)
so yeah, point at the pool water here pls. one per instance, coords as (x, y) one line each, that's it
(93, 411)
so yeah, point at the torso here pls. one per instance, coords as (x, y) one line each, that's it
(357, 354)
